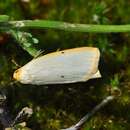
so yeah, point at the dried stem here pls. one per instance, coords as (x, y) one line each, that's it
(90, 114)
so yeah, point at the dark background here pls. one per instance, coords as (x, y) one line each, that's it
(60, 106)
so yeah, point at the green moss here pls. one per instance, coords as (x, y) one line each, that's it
(60, 106)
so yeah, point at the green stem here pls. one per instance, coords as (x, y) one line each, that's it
(46, 24)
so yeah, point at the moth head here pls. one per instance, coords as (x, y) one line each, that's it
(21, 76)
(17, 74)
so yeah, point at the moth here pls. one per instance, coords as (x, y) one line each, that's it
(67, 66)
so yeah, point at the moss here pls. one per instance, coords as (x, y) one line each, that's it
(58, 106)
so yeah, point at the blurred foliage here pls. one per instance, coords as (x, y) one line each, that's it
(60, 106)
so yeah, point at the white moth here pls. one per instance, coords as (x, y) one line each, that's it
(67, 66)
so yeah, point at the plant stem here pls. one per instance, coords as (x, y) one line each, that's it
(90, 114)
(46, 24)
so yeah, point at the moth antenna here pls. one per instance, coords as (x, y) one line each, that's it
(58, 50)
(39, 53)
(15, 63)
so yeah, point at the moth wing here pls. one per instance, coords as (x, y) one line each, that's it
(68, 66)
(96, 75)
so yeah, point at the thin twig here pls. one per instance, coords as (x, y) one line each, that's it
(24, 112)
(90, 114)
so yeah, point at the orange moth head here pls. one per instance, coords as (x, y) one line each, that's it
(22, 76)
(17, 74)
